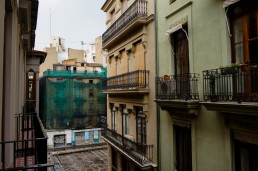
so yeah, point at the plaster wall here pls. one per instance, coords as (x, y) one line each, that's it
(146, 36)
(51, 59)
(75, 53)
(209, 47)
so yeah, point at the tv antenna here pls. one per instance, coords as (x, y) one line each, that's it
(50, 15)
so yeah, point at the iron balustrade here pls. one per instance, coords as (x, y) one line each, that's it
(140, 152)
(29, 150)
(137, 10)
(180, 87)
(238, 84)
(132, 80)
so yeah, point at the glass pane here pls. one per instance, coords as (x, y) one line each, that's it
(253, 52)
(252, 25)
(238, 30)
(239, 53)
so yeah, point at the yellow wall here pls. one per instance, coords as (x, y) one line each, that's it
(75, 53)
(51, 59)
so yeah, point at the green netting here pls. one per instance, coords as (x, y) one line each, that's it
(72, 100)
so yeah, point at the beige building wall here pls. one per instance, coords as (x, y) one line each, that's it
(133, 51)
(49, 61)
(69, 61)
(15, 23)
(75, 53)
(209, 45)
(98, 51)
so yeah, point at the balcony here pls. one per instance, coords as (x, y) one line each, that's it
(231, 89)
(178, 93)
(131, 82)
(29, 150)
(134, 16)
(140, 153)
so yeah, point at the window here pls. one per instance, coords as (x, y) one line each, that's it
(183, 148)
(181, 61)
(112, 16)
(113, 118)
(246, 156)
(180, 47)
(244, 28)
(91, 81)
(114, 159)
(124, 121)
(91, 93)
(141, 126)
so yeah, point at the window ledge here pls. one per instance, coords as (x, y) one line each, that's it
(244, 108)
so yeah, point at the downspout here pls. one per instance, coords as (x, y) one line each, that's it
(157, 74)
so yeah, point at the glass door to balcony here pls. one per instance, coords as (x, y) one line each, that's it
(181, 60)
(244, 27)
(246, 156)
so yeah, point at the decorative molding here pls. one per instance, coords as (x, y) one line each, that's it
(128, 53)
(119, 56)
(144, 45)
(181, 21)
(241, 122)
(233, 107)
(109, 60)
(186, 110)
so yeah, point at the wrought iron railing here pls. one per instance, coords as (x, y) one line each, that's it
(140, 152)
(29, 150)
(137, 10)
(129, 81)
(181, 87)
(231, 84)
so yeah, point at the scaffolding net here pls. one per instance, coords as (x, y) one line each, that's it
(72, 100)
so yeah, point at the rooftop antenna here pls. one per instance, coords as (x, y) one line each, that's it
(82, 43)
(50, 11)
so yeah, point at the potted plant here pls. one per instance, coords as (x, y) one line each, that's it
(213, 96)
(229, 69)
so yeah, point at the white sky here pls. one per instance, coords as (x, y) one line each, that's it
(73, 20)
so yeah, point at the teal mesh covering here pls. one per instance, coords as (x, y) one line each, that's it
(72, 100)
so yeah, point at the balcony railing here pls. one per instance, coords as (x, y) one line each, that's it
(29, 150)
(137, 10)
(177, 87)
(231, 84)
(130, 81)
(140, 152)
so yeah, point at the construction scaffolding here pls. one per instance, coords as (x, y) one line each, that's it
(72, 100)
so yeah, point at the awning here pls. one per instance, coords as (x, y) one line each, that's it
(173, 29)
(226, 3)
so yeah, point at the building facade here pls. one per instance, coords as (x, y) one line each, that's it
(51, 58)
(19, 73)
(129, 41)
(206, 85)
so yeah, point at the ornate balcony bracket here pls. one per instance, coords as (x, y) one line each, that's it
(188, 110)
(244, 108)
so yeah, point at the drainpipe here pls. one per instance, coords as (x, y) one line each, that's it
(157, 74)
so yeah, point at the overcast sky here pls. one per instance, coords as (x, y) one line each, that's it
(73, 20)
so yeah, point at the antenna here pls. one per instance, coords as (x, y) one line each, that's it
(50, 11)
(82, 43)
